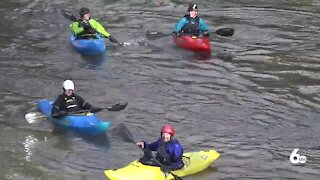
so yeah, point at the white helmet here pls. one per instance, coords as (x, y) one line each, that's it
(68, 84)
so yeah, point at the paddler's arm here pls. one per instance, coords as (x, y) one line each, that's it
(101, 30)
(177, 156)
(153, 146)
(86, 106)
(82, 103)
(204, 28)
(56, 111)
(180, 25)
(76, 29)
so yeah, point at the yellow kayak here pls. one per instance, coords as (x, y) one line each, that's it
(193, 162)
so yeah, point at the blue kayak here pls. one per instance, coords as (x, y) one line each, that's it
(82, 123)
(92, 46)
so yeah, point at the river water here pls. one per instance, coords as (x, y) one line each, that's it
(254, 100)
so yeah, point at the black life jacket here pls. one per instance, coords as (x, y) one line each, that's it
(162, 155)
(192, 27)
(71, 103)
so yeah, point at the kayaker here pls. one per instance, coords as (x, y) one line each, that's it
(191, 24)
(169, 151)
(87, 26)
(68, 101)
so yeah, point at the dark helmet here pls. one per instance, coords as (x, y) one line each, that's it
(192, 7)
(167, 129)
(83, 11)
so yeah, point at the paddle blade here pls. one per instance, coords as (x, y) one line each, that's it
(34, 117)
(225, 31)
(68, 15)
(118, 107)
(155, 34)
(125, 133)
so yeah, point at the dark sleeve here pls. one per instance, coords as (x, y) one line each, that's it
(153, 146)
(176, 152)
(183, 21)
(57, 105)
(82, 103)
(203, 25)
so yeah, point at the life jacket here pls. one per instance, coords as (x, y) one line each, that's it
(162, 155)
(192, 27)
(71, 103)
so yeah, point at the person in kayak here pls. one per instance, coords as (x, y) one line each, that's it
(86, 26)
(191, 24)
(68, 101)
(169, 151)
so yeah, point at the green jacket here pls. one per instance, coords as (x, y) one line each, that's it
(78, 29)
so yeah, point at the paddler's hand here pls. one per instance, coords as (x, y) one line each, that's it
(206, 33)
(174, 34)
(112, 39)
(140, 144)
(87, 27)
(85, 24)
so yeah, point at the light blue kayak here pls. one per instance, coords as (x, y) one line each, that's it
(82, 123)
(92, 46)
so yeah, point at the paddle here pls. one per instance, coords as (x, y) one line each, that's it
(37, 117)
(222, 32)
(128, 135)
(68, 15)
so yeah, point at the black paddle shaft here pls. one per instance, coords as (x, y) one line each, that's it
(68, 15)
(155, 34)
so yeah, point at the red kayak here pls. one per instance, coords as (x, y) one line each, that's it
(193, 43)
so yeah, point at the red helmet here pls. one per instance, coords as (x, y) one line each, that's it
(167, 129)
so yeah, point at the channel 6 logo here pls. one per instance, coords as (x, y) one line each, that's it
(296, 158)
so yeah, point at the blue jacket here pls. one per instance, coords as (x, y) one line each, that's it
(172, 155)
(184, 21)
